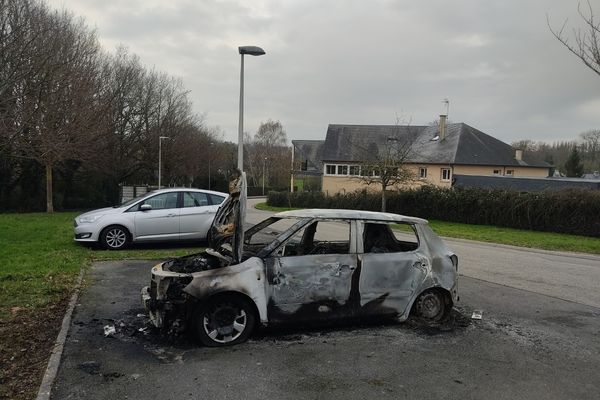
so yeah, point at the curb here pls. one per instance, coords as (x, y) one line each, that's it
(55, 356)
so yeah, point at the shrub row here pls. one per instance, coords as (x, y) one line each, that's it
(567, 211)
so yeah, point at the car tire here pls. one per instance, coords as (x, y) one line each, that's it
(431, 305)
(224, 320)
(115, 237)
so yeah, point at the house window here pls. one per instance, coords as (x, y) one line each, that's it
(354, 170)
(329, 169)
(497, 172)
(510, 172)
(445, 174)
(423, 173)
(342, 170)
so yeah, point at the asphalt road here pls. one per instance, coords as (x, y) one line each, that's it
(527, 346)
(538, 339)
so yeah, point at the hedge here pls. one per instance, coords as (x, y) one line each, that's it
(566, 211)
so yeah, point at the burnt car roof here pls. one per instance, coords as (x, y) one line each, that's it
(349, 214)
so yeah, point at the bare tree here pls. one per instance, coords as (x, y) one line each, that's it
(591, 148)
(385, 163)
(585, 42)
(527, 145)
(269, 157)
(56, 106)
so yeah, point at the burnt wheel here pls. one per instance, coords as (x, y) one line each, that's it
(431, 305)
(115, 237)
(224, 321)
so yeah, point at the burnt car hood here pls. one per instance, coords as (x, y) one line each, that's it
(227, 229)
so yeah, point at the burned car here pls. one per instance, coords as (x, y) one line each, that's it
(300, 266)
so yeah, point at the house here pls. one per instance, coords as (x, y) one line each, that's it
(436, 154)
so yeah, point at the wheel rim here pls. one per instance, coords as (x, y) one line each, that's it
(116, 238)
(225, 322)
(431, 306)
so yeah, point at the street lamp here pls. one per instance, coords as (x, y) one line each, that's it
(252, 51)
(264, 164)
(209, 157)
(160, 139)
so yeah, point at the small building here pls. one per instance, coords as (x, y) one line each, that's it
(436, 154)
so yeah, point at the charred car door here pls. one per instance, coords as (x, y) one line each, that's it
(392, 267)
(310, 275)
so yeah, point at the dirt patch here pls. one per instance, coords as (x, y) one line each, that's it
(26, 340)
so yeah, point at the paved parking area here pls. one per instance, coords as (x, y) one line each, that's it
(527, 346)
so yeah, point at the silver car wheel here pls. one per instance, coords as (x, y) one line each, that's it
(224, 323)
(116, 238)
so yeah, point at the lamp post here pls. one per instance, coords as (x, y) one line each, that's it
(160, 139)
(253, 51)
(209, 157)
(264, 164)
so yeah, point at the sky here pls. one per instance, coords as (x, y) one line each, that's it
(363, 62)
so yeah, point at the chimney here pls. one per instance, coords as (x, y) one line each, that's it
(442, 127)
(518, 154)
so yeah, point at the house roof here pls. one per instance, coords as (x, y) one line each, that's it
(463, 145)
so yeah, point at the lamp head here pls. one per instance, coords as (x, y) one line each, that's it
(251, 50)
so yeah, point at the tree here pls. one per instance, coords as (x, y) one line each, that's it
(527, 145)
(269, 157)
(585, 42)
(591, 149)
(385, 163)
(573, 166)
(56, 107)
(271, 134)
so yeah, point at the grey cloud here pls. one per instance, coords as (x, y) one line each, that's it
(365, 62)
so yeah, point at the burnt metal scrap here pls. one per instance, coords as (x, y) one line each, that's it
(301, 273)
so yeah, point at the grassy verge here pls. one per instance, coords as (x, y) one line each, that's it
(41, 261)
(40, 265)
(495, 234)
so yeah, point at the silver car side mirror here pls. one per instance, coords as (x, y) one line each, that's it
(145, 207)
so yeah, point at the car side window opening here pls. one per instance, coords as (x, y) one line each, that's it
(162, 201)
(195, 199)
(380, 238)
(319, 237)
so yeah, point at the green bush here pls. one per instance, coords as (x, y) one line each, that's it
(567, 211)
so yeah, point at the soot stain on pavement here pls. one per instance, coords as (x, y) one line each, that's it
(135, 327)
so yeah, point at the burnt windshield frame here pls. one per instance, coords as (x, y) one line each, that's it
(280, 238)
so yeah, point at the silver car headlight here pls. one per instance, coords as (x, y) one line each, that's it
(89, 220)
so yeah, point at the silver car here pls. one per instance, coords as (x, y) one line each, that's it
(300, 266)
(161, 215)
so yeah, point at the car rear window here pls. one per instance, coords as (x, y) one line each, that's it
(216, 199)
(195, 199)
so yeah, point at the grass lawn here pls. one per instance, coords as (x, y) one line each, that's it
(40, 266)
(495, 234)
(41, 261)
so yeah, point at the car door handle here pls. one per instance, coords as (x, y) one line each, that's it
(171, 215)
(350, 267)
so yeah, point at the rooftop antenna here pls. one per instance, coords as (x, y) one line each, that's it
(447, 102)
